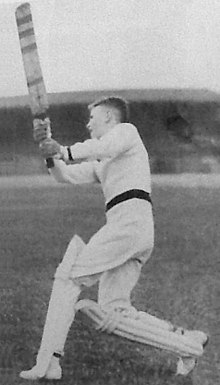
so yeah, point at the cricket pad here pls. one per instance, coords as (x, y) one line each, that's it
(138, 331)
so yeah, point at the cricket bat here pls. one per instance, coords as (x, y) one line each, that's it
(34, 77)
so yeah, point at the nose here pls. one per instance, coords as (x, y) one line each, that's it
(88, 126)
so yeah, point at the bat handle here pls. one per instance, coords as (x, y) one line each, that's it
(44, 117)
(49, 162)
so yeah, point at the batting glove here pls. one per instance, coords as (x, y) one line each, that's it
(49, 148)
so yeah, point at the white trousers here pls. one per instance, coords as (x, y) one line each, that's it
(128, 234)
(114, 255)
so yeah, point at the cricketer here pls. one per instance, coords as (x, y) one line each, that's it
(116, 158)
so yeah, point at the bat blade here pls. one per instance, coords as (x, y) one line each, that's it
(34, 77)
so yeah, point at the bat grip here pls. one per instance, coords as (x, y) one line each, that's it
(49, 162)
(44, 116)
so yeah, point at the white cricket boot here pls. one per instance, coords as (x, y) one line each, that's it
(185, 365)
(32, 374)
(54, 372)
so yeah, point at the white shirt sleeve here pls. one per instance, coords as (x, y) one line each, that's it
(116, 141)
(74, 174)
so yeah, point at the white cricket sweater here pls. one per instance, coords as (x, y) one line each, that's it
(118, 160)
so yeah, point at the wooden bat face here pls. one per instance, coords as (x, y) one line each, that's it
(34, 77)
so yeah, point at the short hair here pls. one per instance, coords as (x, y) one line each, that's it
(115, 102)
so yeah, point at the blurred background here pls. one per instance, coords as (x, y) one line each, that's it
(163, 56)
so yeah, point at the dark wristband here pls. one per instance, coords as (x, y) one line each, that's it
(70, 154)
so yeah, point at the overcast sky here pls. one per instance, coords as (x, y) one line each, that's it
(96, 44)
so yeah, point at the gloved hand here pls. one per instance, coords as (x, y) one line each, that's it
(50, 147)
(41, 130)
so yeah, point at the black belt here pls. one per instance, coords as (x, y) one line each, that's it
(140, 194)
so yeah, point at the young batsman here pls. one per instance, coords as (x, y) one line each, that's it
(116, 158)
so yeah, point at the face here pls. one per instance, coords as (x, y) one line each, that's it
(98, 120)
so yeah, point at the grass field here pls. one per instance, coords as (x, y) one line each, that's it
(180, 283)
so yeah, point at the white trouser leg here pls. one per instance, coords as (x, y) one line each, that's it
(115, 289)
(116, 285)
